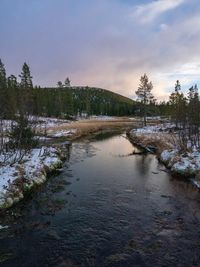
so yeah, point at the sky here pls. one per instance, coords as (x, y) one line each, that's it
(103, 43)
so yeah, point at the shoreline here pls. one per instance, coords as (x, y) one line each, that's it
(22, 178)
(181, 165)
(34, 170)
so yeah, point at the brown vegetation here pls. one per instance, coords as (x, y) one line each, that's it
(87, 127)
(160, 141)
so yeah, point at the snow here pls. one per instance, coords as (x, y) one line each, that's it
(103, 118)
(7, 176)
(32, 168)
(4, 227)
(153, 129)
(153, 118)
(184, 165)
(187, 163)
(6, 124)
(167, 155)
(42, 138)
(47, 122)
(196, 183)
(63, 133)
(84, 116)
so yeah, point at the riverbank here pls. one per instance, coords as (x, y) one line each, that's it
(102, 192)
(18, 179)
(162, 139)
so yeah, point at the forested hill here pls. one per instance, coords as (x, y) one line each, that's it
(75, 100)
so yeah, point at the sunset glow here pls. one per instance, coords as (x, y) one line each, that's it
(103, 43)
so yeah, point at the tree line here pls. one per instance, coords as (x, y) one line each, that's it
(21, 103)
(16, 107)
(182, 109)
(19, 100)
(64, 101)
(185, 113)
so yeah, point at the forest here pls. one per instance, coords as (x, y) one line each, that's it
(20, 99)
(62, 102)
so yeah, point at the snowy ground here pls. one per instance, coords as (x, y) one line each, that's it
(185, 164)
(102, 118)
(47, 122)
(62, 133)
(53, 127)
(15, 179)
(156, 134)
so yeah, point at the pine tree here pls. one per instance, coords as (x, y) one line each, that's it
(26, 91)
(59, 84)
(3, 90)
(2, 103)
(178, 106)
(177, 86)
(22, 133)
(12, 96)
(67, 82)
(26, 78)
(144, 94)
(193, 115)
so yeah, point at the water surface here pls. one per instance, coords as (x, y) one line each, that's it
(106, 208)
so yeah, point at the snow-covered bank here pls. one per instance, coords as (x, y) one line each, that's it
(17, 179)
(153, 136)
(185, 164)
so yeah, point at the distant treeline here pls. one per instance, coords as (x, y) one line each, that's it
(65, 101)
(72, 101)
(21, 96)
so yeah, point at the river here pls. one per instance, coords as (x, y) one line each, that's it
(106, 208)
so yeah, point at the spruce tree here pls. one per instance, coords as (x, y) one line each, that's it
(12, 96)
(144, 94)
(59, 84)
(26, 91)
(193, 115)
(67, 82)
(22, 133)
(3, 91)
(178, 106)
(26, 78)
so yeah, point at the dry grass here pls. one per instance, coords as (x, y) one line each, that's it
(161, 141)
(87, 127)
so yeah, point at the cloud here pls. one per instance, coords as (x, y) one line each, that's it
(164, 27)
(146, 13)
(97, 47)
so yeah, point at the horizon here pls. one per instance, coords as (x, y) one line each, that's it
(105, 44)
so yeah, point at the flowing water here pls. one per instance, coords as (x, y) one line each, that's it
(106, 208)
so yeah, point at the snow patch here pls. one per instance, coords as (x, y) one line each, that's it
(32, 170)
(186, 164)
(63, 133)
(167, 155)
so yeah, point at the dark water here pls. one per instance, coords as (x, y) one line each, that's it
(105, 209)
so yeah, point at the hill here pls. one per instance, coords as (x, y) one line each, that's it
(74, 100)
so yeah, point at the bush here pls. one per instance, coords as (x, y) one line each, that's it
(22, 135)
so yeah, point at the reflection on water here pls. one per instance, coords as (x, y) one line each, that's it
(105, 209)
